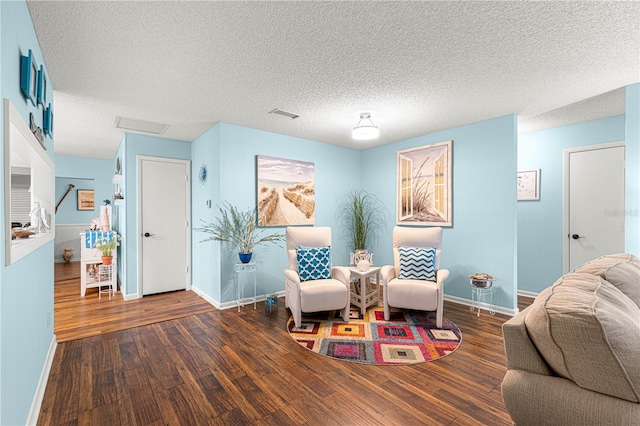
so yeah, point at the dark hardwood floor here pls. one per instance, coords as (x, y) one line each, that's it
(225, 367)
(76, 317)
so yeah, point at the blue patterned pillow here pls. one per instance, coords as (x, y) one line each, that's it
(314, 263)
(417, 263)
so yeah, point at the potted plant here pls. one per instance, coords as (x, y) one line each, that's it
(362, 215)
(106, 246)
(238, 229)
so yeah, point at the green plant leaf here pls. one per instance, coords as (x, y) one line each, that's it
(238, 228)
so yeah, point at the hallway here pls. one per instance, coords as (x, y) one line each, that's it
(77, 317)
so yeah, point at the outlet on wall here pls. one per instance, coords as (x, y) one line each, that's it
(49, 319)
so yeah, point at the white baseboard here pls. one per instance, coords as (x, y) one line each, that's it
(483, 305)
(36, 404)
(127, 297)
(206, 297)
(232, 303)
(61, 260)
(525, 293)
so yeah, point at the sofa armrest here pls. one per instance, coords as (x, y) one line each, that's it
(533, 399)
(342, 274)
(292, 277)
(441, 277)
(520, 352)
(387, 273)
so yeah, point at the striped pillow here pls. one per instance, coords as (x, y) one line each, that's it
(417, 263)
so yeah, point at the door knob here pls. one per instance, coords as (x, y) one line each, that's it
(576, 236)
(146, 234)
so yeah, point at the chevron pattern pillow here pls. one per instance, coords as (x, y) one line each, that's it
(314, 263)
(417, 263)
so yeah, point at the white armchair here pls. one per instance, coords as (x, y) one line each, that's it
(406, 292)
(302, 292)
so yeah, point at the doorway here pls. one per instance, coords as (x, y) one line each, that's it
(164, 237)
(594, 190)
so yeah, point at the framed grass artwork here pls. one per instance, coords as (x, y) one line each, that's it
(424, 190)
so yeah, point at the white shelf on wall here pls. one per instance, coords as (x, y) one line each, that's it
(117, 181)
(22, 150)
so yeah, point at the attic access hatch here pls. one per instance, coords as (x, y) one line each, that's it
(141, 125)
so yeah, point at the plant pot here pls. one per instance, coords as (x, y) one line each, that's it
(245, 257)
(66, 256)
(106, 260)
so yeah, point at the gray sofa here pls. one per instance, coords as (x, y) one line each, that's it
(573, 356)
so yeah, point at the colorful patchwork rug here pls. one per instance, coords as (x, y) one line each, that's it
(409, 337)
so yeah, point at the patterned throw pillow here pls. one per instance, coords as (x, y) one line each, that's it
(417, 263)
(314, 263)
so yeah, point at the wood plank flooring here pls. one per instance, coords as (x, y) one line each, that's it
(224, 367)
(76, 317)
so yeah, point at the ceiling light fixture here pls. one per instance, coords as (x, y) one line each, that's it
(365, 129)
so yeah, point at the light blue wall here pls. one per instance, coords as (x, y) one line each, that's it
(119, 216)
(68, 212)
(136, 144)
(483, 235)
(95, 172)
(540, 237)
(632, 181)
(26, 286)
(205, 256)
(230, 152)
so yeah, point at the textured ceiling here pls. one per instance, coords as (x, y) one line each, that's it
(418, 67)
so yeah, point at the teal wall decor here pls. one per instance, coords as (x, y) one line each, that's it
(202, 174)
(42, 86)
(47, 121)
(29, 77)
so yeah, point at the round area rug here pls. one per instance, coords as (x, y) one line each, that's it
(409, 337)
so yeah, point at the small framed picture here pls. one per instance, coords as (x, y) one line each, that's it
(29, 77)
(85, 199)
(47, 121)
(529, 185)
(42, 86)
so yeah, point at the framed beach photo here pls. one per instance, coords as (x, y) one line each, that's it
(424, 190)
(85, 199)
(529, 185)
(286, 192)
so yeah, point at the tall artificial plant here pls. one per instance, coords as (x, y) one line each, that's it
(361, 215)
(238, 228)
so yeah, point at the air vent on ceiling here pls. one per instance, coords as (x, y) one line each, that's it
(141, 125)
(284, 113)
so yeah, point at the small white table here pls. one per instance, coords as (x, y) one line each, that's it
(90, 261)
(360, 295)
(245, 271)
(479, 289)
(105, 280)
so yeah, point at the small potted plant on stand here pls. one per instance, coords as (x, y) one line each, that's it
(106, 246)
(238, 229)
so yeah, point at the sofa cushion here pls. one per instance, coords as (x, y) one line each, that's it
(588, 331)
(621, 270)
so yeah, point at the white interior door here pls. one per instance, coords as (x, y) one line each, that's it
(164, 230)
(594, 180)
